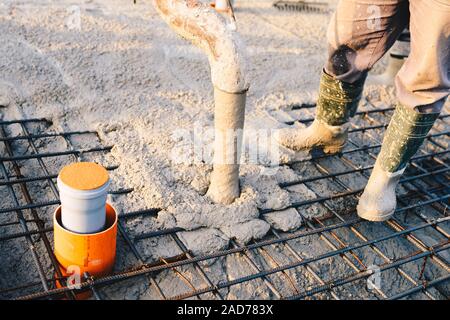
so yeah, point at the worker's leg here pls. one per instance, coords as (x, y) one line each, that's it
(422, 88)
(360, 32)
(423, 82)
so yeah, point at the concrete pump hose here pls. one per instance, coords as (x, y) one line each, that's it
(208, 30)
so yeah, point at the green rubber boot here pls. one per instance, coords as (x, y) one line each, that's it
(404, 136)
(337, 103)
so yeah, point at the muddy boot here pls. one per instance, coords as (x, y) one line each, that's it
(319, 134)
(336, 104)
(404, 136)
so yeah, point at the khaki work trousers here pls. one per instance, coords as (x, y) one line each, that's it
(362, 31)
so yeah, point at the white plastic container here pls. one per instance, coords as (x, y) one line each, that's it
(83, 207)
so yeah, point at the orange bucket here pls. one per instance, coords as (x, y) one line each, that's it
(93, 253)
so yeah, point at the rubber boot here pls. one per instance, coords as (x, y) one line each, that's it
(331, 139)
(404, 136)
(337, 103)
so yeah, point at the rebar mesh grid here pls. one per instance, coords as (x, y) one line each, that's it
(354, 250)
